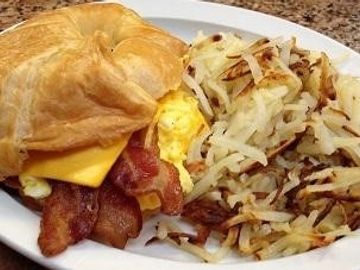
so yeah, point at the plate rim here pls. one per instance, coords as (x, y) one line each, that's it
(74, 258)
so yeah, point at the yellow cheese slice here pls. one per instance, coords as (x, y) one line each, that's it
(86, 166)
(149, 201)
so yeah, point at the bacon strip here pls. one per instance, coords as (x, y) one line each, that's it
(139, 171)
(110, 214)
(119, 217)
(69, 215)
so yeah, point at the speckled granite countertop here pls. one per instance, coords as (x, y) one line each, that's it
(339, 19)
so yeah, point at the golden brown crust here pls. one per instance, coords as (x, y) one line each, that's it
(79, 76)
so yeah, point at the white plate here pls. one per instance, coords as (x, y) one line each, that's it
(19, 227)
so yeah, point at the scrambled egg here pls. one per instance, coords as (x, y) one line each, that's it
(35, 187)
(179, 122)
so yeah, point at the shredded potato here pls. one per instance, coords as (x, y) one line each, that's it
(280, 165)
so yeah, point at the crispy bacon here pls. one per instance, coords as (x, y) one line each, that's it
(119, 217)
(139, 171)
(72, 213)
(69, 215)
(110, 214)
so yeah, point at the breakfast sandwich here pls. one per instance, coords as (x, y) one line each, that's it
(94, 126)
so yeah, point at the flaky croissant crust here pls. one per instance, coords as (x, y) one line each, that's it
(80, 76)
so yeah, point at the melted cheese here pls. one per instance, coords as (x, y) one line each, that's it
(35, 187)
(86, 166)
(149, 201)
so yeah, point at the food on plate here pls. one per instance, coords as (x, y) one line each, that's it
(84, 91)
(277, 171)
(106, 120)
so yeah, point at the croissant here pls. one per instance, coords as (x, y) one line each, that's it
(81, 76)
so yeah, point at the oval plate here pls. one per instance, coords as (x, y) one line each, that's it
(19, 227)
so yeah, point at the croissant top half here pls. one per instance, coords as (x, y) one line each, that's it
(80, 76)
